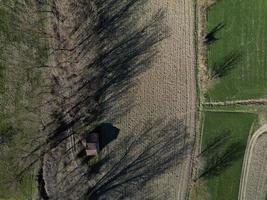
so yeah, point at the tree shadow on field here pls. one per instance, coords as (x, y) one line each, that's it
(113, 44)
(128, 168)
(225, 65)
(123, 51)
(210, 38)
(216, 142)
(220, 154)
(113, 48)
(218, 163)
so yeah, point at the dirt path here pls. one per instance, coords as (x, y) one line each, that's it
(253, 184)
(240, 102)
(168, 90)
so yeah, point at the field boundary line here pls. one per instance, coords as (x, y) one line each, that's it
(229, 111)
(237, 102)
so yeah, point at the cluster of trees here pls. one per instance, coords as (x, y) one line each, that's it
(111, 47)
(112, 44)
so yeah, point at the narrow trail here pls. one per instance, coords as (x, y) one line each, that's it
(237, 102)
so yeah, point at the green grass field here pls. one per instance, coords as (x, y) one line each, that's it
(226, 185)
(245, 32)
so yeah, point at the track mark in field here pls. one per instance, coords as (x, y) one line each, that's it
(237, 102)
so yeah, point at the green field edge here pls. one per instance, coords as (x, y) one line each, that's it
(198, 95)
(205, 126)
(201, 108)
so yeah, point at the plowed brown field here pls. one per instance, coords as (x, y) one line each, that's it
(168, 89)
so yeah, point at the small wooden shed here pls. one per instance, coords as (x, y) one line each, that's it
(91, 143)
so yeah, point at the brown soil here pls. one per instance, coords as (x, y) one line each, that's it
(168, 90)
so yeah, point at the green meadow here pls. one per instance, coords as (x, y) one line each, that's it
(244, 33)
(226, 184)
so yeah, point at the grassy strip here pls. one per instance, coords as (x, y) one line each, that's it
(20, 83)
(226, 184)
(244, 32)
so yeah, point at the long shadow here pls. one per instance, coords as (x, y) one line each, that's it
(225, 65)
(218, 163)
(146, 157)
(110, 74)
(216, 142)
(219, 155)
(113, 44)
(210, 38)
(128, 168)
(107, 134)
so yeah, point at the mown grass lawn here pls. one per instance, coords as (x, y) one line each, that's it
(226, 185)
(244, 32)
